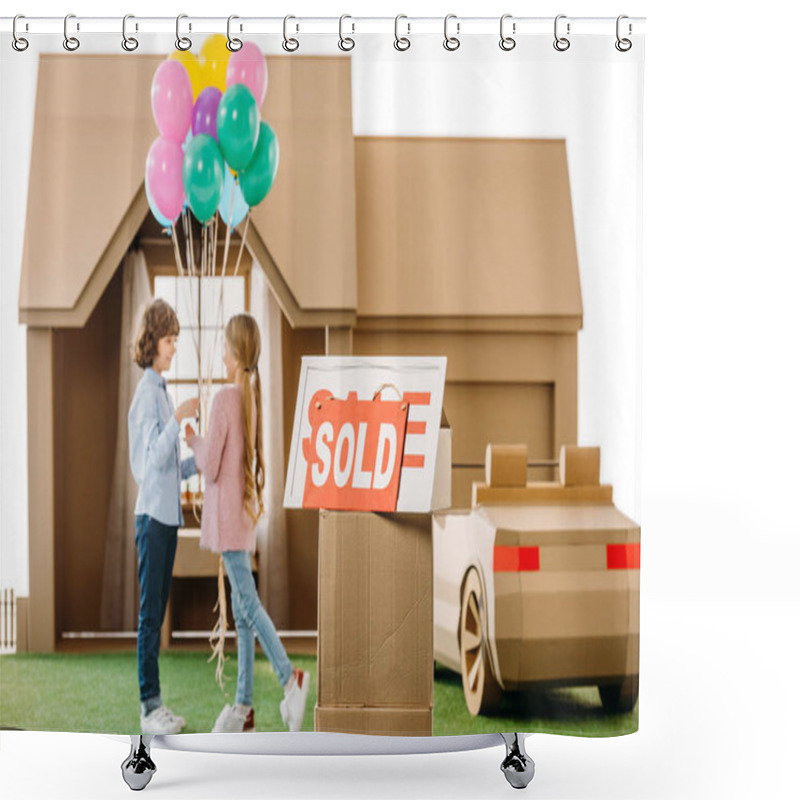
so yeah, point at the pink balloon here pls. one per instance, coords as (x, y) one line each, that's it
(164, 176)
(248, 66)
(171, 98)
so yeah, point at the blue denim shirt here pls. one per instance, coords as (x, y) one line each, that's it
(155, 451)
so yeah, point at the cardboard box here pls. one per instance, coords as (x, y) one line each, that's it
(443, 472)
(506, 465)
(541, 493)
(579, 466)
(375, 619)
(374, 721)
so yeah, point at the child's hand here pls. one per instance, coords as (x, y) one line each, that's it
(190, 435)
(187, 409)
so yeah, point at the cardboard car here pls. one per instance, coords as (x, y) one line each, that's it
(537, 585)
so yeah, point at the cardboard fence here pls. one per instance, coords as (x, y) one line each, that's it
(369, 436)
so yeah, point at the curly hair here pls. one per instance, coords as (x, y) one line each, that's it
(159, 320)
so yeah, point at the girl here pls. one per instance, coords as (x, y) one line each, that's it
(153, 428)
(232, 459)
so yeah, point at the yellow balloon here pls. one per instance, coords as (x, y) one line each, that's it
(214, 55)
(189, 60)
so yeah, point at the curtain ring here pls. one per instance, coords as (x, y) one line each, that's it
(181, 42)
(401, 43)
(233, 44)
(129, 43)
(71, 43)
(19, 43)
(451, 43)
(289, 44)
(506, 42)
(623, 45)
(345, 42)
(561, 43)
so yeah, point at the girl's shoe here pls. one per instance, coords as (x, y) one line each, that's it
(235, 719)
(161, 721)
(293, 705)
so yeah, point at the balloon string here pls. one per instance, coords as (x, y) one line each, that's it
(241, 246)
(191, 259)
(176, 248)
(209, 371)
(228, 233)
(213, 244)
(187, 273)
(202, 283)
(220, 298)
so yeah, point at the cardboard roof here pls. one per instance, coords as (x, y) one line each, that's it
(93, 127)
(465, 228)
(443, 229)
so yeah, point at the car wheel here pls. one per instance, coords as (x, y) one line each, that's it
(620, 698)
(481, 690)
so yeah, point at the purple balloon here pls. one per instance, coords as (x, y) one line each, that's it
(164, 177)
(171, 100)
(204, 116)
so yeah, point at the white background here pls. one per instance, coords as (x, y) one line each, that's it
(720, 605)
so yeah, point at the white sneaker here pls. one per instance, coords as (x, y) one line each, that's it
(179, 719)
(293, 705)
(161, 721)
(235, 719)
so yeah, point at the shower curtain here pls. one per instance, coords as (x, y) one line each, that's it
(441, 246)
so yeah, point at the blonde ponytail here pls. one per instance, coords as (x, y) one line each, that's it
(245, 341)
(253, 455)
(260, 478)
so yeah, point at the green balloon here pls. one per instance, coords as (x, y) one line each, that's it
(259, 175)
(203, 176)
(237, 125)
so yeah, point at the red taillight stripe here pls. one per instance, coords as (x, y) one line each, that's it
(416, 427)
(622, 556)
(413, 461)
(506, 559)
(516, 559)
(528, 559)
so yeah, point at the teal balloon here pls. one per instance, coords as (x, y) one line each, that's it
(239, 209)
(237, 125)
(203, 176)
(259, 175)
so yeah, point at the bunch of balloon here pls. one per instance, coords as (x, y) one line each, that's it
(214, 153)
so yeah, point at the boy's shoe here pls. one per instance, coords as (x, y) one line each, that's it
(235, 719)
(178, 718)
(161, 721)
(293, 705)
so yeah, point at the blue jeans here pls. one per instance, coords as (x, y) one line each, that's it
(251, 621)
(155, 544)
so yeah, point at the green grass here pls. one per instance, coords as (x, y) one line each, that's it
(575, 711)
(98, 693)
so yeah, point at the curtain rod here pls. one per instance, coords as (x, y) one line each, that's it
(255, 26)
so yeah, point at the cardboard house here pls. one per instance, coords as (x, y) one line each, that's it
(371, 246)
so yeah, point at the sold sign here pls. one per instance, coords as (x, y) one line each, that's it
(354, 453)
(357, 447)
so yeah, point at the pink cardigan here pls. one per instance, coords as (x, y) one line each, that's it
(219, 455)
